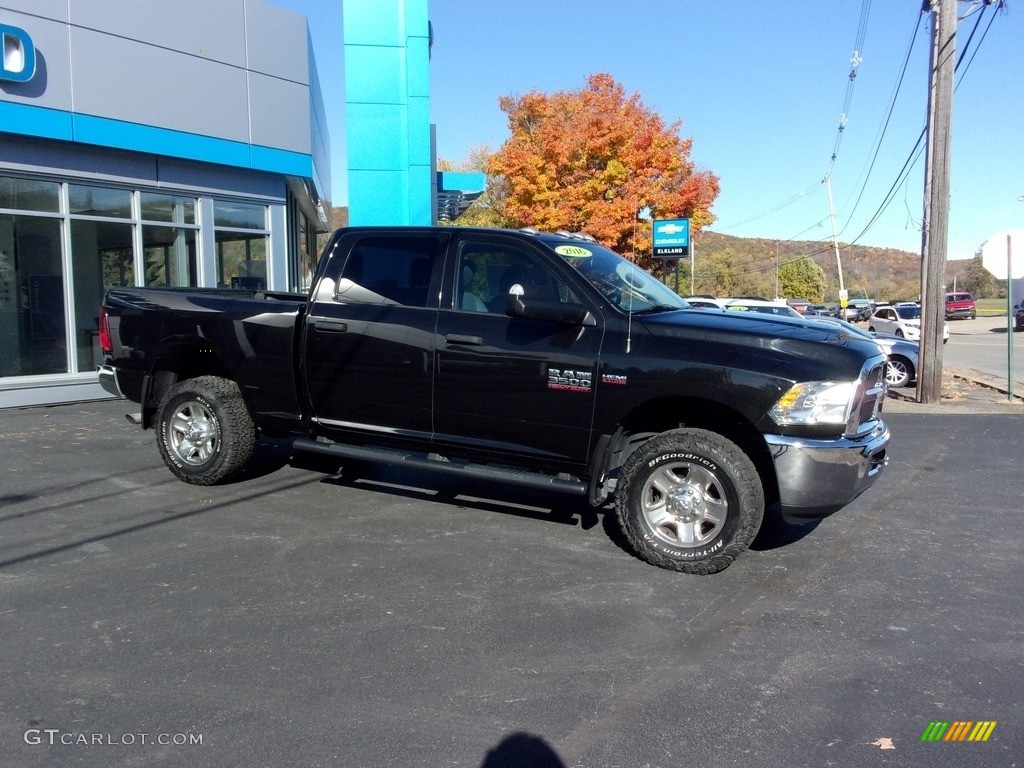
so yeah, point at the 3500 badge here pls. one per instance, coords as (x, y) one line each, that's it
(573, 381)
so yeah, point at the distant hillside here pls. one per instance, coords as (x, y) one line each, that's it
(879, 273)
(749, 262)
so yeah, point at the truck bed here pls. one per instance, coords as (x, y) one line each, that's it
(252, 334)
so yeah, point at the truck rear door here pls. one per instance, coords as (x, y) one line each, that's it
(368, 352)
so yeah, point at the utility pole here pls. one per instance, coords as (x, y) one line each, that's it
(835, 240)
(935, 225)
(776, 269)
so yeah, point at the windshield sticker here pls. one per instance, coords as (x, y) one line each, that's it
(573, 250)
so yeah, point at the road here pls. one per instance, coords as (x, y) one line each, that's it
(317, 616)
(981, 344)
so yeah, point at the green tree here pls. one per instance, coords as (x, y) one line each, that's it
(714, 273)
(802, 278)
(979, 281)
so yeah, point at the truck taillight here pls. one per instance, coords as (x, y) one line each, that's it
(105, 346)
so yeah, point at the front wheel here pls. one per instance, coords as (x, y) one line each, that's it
(689, 500)
(204, 431)
(899, 371)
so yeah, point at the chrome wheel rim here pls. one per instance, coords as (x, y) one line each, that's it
(192, 433)
(896, 373)
(684, 504)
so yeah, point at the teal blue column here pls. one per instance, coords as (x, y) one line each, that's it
(387, 111)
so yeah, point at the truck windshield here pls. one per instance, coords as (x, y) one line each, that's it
(621, 281)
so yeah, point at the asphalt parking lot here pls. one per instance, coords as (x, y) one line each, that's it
(367, 617)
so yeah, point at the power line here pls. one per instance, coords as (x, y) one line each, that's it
(915, 152)
(918, 148)
(855, 60)
(883, 128)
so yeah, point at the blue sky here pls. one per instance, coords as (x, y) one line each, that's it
(759, 87)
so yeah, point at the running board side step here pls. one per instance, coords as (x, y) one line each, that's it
(434, 463)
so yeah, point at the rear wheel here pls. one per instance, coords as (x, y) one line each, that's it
(204, 431)
(689, 500)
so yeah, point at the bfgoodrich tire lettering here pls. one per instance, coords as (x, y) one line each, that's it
(204, 432)
(689, 500)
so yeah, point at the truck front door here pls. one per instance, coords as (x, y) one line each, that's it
(506, 384)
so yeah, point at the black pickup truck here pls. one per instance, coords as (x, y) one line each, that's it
(536, 359)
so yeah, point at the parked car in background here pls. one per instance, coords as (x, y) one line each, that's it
(760, 305)
(1018, 317)
(858, 310)
(800, 305)
(817, 309)
(904, 322)
(960, 305)
(703, 302)
(904, 355)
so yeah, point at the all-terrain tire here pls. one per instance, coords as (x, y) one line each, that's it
(204, 431)
(689, 500)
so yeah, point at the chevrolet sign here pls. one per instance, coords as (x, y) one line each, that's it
(671, 237)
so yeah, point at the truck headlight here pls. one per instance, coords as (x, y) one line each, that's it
(815, 402)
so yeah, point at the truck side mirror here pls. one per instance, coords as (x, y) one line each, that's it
(516, 305)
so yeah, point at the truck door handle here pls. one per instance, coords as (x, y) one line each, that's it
(330, 326)
(459, 338)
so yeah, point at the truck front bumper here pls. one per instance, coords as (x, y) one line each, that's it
(819, 477)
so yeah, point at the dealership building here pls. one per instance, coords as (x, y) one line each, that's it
(147, 144)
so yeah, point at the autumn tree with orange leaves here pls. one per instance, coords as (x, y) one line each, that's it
(591, 160)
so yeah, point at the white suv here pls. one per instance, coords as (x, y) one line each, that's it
(904, 321)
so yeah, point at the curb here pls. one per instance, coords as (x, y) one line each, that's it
(982, 393)
(988, 381)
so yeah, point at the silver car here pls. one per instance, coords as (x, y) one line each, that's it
(903, 353)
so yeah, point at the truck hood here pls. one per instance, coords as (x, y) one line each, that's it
(787, 340)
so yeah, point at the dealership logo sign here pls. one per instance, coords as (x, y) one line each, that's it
(19, 55)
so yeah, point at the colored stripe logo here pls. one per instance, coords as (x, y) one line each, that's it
(958, 730)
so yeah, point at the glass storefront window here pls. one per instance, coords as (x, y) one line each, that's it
(29, 195)
(57, 260)
(177, 210)
(99, 201)
(240, 215)
(306, 260)
(101, 258)
(170, 254)
(32, 320)
(241, 260)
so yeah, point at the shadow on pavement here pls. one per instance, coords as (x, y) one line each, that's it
(522, 750)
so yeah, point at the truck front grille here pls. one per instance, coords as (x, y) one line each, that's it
(874, 388)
